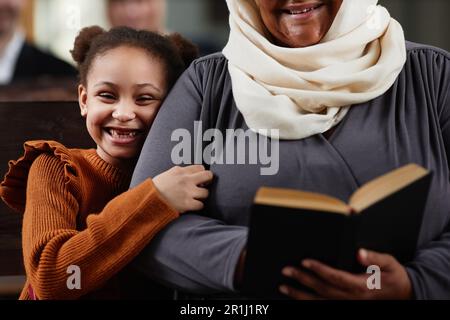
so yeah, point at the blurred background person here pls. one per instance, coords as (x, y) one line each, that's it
(56, 23)
(147, 15)
(20, 60)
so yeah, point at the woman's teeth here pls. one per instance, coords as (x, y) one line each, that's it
(303, 11)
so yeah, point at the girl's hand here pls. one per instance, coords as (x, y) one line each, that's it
(183, 187)
(330, 283)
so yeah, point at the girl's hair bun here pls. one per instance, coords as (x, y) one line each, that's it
(83, 43)
(187, 50)
(174, 51)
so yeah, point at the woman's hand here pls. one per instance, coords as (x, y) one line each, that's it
(330, 283)
(184, 187)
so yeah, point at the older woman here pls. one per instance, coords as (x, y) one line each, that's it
(349, 100)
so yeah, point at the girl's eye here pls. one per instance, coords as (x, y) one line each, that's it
(107, 96)
(145, 98)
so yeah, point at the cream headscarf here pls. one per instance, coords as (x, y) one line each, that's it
(306, 91)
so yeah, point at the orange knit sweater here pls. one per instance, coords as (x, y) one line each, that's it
(77, 212)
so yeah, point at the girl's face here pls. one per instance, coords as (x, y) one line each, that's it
(125, 89)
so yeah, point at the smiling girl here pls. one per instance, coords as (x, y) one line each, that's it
(77, 210)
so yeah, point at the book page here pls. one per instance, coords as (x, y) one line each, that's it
(296, 199)
(387, 184)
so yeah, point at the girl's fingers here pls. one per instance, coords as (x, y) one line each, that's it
(194, 168)
(201, 178)
(201, 193)
(196, 205)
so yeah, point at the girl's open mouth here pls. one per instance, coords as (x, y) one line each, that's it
(123, 136)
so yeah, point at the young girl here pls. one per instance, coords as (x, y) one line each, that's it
(77, 215)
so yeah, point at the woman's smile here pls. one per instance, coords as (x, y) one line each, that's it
(296, 23)
(301, 12)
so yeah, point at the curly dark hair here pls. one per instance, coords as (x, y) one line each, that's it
(173, 50)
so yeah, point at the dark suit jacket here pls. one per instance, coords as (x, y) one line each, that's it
(33, 63)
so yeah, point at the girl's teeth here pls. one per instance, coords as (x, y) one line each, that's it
(117, 134)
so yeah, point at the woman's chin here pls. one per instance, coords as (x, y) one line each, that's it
(297, 35)
(300, 40)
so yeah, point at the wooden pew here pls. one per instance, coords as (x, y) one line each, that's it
(40, 89)
(20, 122)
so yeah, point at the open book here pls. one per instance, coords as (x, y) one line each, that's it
(287, 226)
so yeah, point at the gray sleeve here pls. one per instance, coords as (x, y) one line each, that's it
(430, 270)
(195, 253)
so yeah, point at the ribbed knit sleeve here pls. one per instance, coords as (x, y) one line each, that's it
(112, 238)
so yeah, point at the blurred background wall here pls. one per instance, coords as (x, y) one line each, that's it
(424, 21)
(56, 22)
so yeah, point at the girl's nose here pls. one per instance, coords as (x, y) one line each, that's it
(124, 114)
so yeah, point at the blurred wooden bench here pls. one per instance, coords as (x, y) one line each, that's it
(20, 122)
(40, 89)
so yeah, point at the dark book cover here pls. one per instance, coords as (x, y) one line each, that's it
(281, 236)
